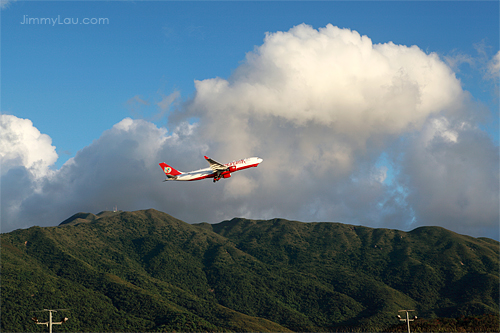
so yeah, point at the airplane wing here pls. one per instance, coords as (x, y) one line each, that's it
(216, 166)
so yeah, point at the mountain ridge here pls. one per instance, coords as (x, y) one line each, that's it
(147, 271)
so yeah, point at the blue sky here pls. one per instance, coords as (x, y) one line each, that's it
(74, 81)
(77, 81)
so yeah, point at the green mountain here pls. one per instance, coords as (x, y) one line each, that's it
(147, 271)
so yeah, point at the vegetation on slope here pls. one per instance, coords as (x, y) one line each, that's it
(147, 271)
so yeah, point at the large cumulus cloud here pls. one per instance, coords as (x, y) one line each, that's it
(119, 169)
(322, 107)
(316, 99)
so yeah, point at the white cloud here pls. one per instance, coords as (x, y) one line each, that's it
(120, 168)
(452, 179)
(334, 77)
(26, 156)
(167, 101)
(455, 60)
(320, 107)
(240, 186)
(22, 144)
(437, 127)
(494, 66)
(332, 87)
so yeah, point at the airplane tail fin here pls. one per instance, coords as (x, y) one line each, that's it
(169, 171)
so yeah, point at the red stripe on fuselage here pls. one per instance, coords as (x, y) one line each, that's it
(212, 175)
(246, 167)
(202, 177)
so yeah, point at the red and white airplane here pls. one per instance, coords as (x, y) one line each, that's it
(216, 170)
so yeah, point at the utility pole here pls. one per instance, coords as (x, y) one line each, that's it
(407, 318)
(50, 322)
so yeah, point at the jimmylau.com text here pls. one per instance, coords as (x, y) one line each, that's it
(63, 21)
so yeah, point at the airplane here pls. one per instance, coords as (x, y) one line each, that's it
(216, 170)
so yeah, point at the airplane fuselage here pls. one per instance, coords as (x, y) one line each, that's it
(224, 170)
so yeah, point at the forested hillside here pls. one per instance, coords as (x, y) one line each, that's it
(147, 271)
